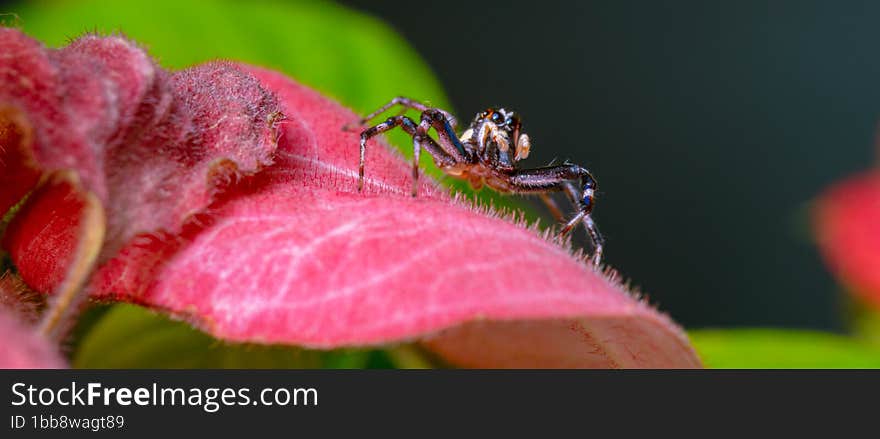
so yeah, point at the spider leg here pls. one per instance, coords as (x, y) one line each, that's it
(552, 206)
(405, 102)
(449, 141)
(448, 152)
(402, 121)
(399, 100)
(441, 157)
(577, 183)
(419, 141)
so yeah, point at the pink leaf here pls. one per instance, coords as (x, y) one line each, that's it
(22, 347)
(295, 255)
(848, 230)
(154, 147)
(17, 298)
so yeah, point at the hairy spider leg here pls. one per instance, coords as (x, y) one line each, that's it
(406, 103)
(449, 141)
(402, 121)
(562, 178)
(451, 150)
(589, 225)
(399, 100)
(419, 141)
(552, 206)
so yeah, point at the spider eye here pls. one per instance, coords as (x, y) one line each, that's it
(496, 117)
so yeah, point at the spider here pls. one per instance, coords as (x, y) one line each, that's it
(487, 153)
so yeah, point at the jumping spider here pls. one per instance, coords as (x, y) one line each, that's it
(488, 153)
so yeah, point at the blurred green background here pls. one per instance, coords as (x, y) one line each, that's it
(709, 127)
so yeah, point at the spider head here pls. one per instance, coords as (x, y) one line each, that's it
(504, 127)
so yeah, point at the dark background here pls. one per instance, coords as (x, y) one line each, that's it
(709, 125)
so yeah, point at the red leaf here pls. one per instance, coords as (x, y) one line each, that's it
(154, 147)
(18, 172)
(295, 255)
(43, 233)
(848, 231)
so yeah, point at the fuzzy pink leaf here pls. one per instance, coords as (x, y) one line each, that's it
(17, 298)
(22, 347)
(154, 147)
(295, 255)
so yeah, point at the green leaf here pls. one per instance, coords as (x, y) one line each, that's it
(128, 336)
(862, 318)
(782, 349)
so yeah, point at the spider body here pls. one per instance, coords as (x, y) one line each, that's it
(487, 153)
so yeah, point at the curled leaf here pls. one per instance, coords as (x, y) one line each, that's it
(44, 233)
(60, 229)
(154, 147)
